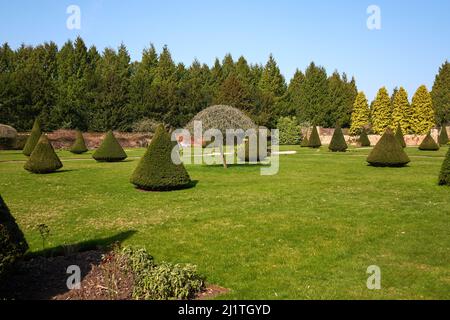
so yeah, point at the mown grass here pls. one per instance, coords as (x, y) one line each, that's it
(309, 232)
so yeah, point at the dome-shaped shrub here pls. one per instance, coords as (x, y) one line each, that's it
(444, 176)
(33, 138)
(8, 137)
(12, 242)
(364, 139)
(428, 144)
(156, 171)
(388, 152)
(338, 143)
(314, 139)
(400, 137)
(43, 159)
(79, 145)
(110, 150)
(443, 136)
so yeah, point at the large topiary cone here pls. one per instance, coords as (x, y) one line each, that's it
(388, 152)
(338, 143)
(428, 144)
(110, 150)
(314, 139)
(444, 176)
(443, 136)
(33, 138)
(156, 171)
(400, 137)
(79, 145)
(364, 139)
(12, 242)
(43, 159)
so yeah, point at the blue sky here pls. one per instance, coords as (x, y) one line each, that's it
(413, 42)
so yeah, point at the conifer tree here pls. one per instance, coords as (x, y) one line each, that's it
(428, 144)
(360, 114)
(110, 150)
(399, 136)
(43, 159)
(441, 94)
(444, 176)
(79, 145)
(33, 138)
(338, 143)
(422, 120)
(443, 136)
(388, 152)
(401, 110)
(381, 113)
(314, 139)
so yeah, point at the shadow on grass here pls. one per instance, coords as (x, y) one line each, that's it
(190, 185)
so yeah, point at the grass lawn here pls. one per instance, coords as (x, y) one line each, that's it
(309, 232)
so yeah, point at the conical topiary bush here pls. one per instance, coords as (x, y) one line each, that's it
(12, 242)
(400, 137)
(305, 142)
(338, 143)
(110, 150)
(33, 138)
(388, 152)
(364, 139)
(314, 139)
(43, 159)
(444, 176)
(428, 144)
(443, 136)
(79, 145)
(156, 171)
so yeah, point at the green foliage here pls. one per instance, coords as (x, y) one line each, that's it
(443, 136)
(338, 143)
(342, 95)
(428, 144)
(290, 131)
(441, 94)
(360, 114)
(364, 139)
(422, 120)
(314, 139)
(43, 159)
(388, 152)
(12, 241)
(399, 136)
(381, 112)
(110, 150)
(305, 142)
(33, 138)
(444, 176)
(401, 111)
(145, 125)
(156, 170)
(79, 145)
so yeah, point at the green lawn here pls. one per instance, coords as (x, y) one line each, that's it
(309, 232)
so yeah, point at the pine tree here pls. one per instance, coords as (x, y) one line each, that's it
(314, 139)
(233, 93)
(388, 152)
(110, 150)
(443, 136)
(43, 159)
(428, 144)
(79, 145)
(399, 136)
(401, 110)
(444, 176)
(422, 120)
(441, 94)
(381, 111)
(33, 138)
(156, 170)
(342, 95)
(360, 114)
(338, 143)
(364, 139)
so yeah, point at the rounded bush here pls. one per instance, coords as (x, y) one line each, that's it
(32, 139)
(388, 152)
(43, 159)
(8, 137)
(338, 143)
(444, 176)
(79, 146)
(110, 150)
(156, 171)
(314, 139)
(428, 144)
(364, 139)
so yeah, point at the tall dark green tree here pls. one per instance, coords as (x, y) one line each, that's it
(441, 94)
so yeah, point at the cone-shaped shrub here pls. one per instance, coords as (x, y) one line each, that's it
(43, 159)
(156, 171)
(314, 139)
(400, 137)
(444, 177)
(443, 136)
(79, 146)
(12, 242)
(110, 150)
(338, 143)
(388, 152)
(305, 142)
(428, 144)
(364, 139)
(32, 139)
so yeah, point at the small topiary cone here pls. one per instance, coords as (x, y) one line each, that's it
(400, 137)
(364, 139)
(338, 143)
(32, 139)
(79, 145)
(443, 136)
(388, 152)
(43, 159)
(110, 150)
(314, 139)
(444, 176)
(428, 144)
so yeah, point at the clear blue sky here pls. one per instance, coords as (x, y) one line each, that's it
(413, 42)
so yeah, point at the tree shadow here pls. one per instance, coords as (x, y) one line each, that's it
(43, 275)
